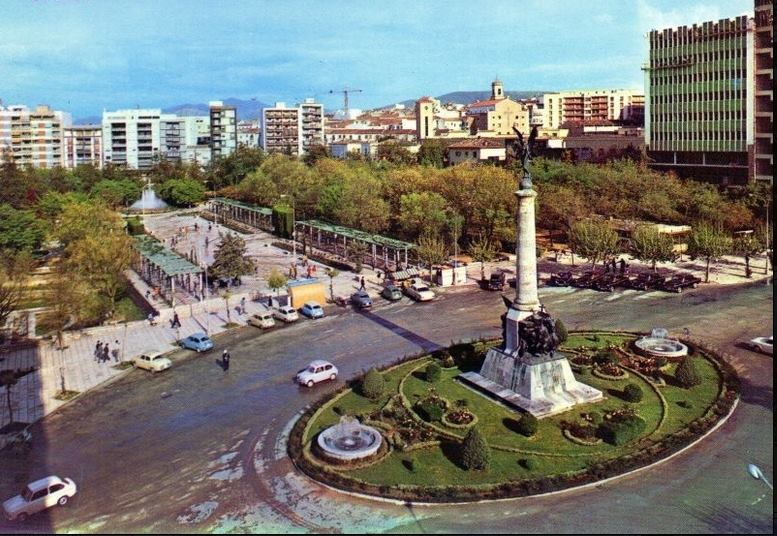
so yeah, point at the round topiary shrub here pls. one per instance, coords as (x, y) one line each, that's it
(430, 410)
(528, 425)
(561, 331)
(595, 417)
(632, 393)
(528, 463)
(686, 375)
(433, 372)
(373, 384)
(622, 430)
(475, 452)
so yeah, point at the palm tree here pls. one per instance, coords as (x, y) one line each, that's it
(8, 379)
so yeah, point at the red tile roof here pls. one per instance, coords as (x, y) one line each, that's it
(478, 104)
(478, 143)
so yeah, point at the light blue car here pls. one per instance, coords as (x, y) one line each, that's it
(312, 310)
(199, 342)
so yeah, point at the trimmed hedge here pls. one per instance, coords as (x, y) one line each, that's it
(475, 452)
(686, 374)
(528, 425)
(373, 384)
(621, 431)
(632, 393)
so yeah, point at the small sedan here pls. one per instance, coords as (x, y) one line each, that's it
(361, 299)
(262, 320)
(286, 313)
(419, 292)
(316, 371)
(312, 310)
(199, 342)
(153, 361)
(762, 344)
(391, 293)
(39, 495)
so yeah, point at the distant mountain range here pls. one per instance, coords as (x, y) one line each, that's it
(467, 97)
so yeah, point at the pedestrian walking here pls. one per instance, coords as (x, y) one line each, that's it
(115, 352)
(243, 305)
(362, 284)
(176, 323)
(225, 360)
(98, 351)
(210, 227)
(106, 353)
(623, 266)
(310, 271)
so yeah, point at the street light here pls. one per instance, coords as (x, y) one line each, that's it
(756, 473)
(293, 229)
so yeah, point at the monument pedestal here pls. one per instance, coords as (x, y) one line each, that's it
(541, 385)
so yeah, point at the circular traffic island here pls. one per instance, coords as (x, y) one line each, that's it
(443, 441)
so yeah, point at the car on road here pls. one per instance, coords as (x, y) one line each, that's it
(39, 495)
(153, 361)
(286, 313)
(497, 281)
(199, 342)
(762, 344)
(317, 371)
(262, 320)
(391, 293)
(312, 310)
(361, 299)
(419, 292)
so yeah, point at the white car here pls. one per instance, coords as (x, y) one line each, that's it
(154, 362)
(286, 313)
(262, 320)
(762, 344)
(419, 292)
(39, 495)
(317, 371)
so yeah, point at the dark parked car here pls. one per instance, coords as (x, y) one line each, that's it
(391, 293)
(585, 281)
(561, 279)
(680, 281)
(646, 281)
(497, 281)
(608, 282)
(361, 299)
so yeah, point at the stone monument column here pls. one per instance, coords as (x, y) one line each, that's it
(526, 298)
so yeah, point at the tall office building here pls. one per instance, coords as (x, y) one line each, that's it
(698, 102)
(33, 137)
(131, 138)
(223, 129)
(764, 90)
(594, 105)
(83, 146)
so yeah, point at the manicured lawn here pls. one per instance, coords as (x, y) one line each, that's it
(599, 340)
(700, 397)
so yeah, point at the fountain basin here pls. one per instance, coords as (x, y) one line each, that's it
(349, 440)
(660, 347)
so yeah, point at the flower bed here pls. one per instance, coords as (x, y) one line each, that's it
(609, 371)
(459, 418)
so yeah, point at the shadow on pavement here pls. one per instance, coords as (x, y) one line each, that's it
(424, 343)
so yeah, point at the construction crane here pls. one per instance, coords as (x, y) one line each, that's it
(345, 91)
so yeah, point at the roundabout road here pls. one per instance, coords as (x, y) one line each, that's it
(199, 449)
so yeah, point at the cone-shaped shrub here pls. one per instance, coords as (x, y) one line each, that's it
(561, 331)
(373, 384)
(528, 425)
(475, 452)
(433, 372)
(686, 374)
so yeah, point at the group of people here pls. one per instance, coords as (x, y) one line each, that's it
(103, 352)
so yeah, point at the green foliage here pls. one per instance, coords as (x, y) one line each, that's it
(593, 239)
(229, 259)
(373, 384)
(475, 452)
(395, 153)
(482, 250)
(115, 193)
(561, 331)
(19, 229)
(747, 245)
(530, 464)
(276, 280)
(283, 220)
(258, 188)
(621, 430)
(527, 425)
(135, 226)
(595, 417)
(433, 372)
(686, 374)
(708, 242)
(632, 393)
(231, 169)
(430, 410)
(420, 212)
(182, 192)
(432, 153)
(648, 245)
(431, 249)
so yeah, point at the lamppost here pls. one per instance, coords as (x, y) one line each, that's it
(756, 473)
(293, 228)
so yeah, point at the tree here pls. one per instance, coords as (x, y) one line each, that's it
(422, 212)
(79, 219)
(356, 252)
(561, 331)
(117, 193)
(475, 452)
(432, 249)
(233, 168)
(632, 392)
(315, 153)
(528, 424)
(258, 188)
(708, 242)
(69, 301)
(15, 268)
(332, 273)
(432, 153)
(593, 240)
(230, 260)
(276, 280)
(373, 384)
(747, 245)
(8, 379)
(395, 153)
(482, 250)
(649, 245)
(19, 229)
(686, 374)
(182, 192)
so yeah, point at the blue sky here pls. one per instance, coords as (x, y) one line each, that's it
(86, 55)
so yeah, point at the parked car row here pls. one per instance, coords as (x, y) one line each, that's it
(608, 281)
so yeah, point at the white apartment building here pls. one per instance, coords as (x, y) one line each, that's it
(183, 139)
(312, 116)
(592, 105)
(223, 129)
(293, 130)
(83, 145)
(248, 133)
(33, 137)
(131, 138)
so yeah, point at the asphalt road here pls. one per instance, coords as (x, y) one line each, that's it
(200, 449)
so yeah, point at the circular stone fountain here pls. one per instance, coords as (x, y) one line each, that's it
(659, 345)
(349, 440)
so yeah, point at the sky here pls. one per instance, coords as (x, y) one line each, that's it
(84, 56)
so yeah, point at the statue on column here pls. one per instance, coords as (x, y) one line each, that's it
(523, 151)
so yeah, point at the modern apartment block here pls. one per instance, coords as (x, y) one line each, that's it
(223, 129)
(184, 138)
(312, 115)
(578, 107)
(83, 145)
(699, 105)
(764, 90)
(33, 137)
(293, 130)
(131, 138)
